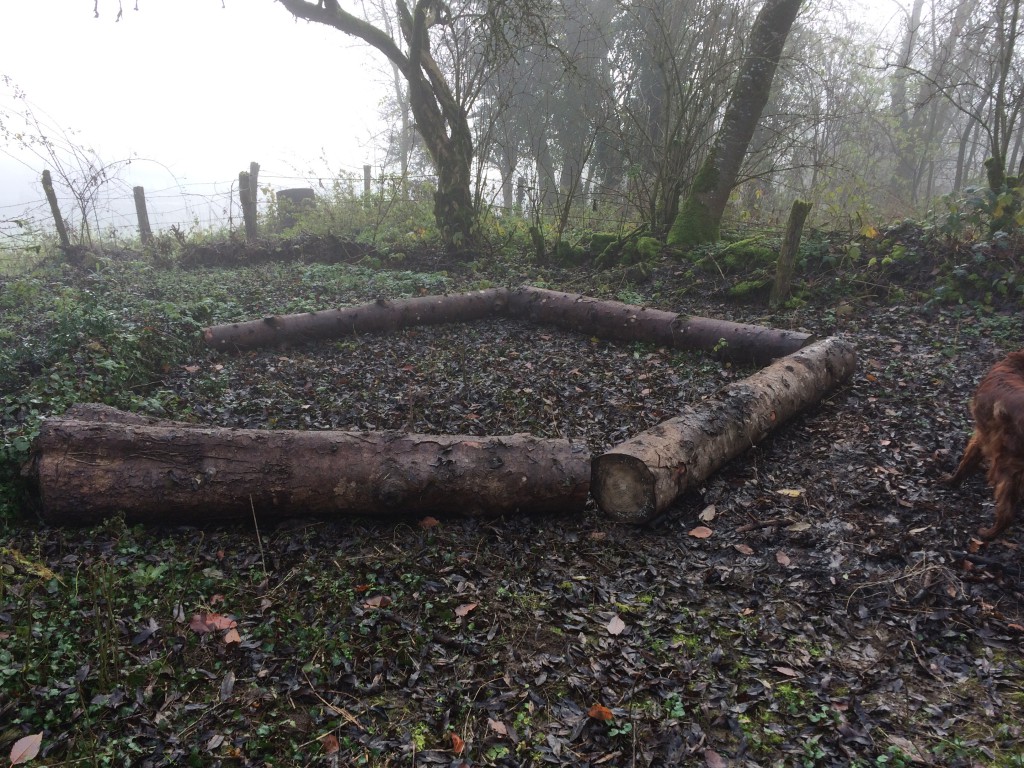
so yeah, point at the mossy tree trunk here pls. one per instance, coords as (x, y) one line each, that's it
(700, 216)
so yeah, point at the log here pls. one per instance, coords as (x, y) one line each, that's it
(172, 473)
(639, 479)
(379, 316)
(739, 342)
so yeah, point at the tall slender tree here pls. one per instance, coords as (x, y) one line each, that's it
(700, 217)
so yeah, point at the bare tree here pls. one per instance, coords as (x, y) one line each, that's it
(444, 52)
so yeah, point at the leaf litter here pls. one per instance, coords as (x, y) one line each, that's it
(854, 619)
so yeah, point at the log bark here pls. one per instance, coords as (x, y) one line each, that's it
(739, 342)
(172, 473)
(639, 479)
(382, 315)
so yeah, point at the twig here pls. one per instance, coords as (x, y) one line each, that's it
(774, 522)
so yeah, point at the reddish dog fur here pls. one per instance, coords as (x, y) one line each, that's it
(998, 409)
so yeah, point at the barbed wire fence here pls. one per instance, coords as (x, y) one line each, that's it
(209, 208)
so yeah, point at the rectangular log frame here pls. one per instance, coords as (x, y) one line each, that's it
(76, 457)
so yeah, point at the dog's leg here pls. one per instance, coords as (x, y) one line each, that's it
(1007, 494)
(972, 458)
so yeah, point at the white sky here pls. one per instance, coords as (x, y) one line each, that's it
(193, 90)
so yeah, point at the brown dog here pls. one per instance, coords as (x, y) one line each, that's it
(998, 409)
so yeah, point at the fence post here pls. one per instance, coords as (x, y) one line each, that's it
(254, 187)
(248, 205)
(787, 254)
(366, 179)
(145, 233)
(58, 220)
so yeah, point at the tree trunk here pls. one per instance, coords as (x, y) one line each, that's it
(627, 322)
(700, 217)
(167, 472)
(787, 254)
(638, 479)
(382, 315)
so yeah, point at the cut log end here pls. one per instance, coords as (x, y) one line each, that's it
(623, 487)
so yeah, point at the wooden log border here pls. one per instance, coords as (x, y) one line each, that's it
(779, 350)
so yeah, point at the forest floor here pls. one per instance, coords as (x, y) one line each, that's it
(841, 611)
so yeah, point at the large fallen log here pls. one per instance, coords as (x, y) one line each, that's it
(379, 316)
(614, 320)
(637, 480)
(168, 472)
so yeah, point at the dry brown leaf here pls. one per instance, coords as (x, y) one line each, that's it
(498, 727)
(743, 549)
(203, 623)
(377, 601)
(464, 609)
(787, 671)
(600, 712)
(26, 748)
(457, 743)
(429, 522)
(616, 626)
(708, 514)
(231, 637)
(714, 760)
(701, 532)
(782, 559)
(330, 743)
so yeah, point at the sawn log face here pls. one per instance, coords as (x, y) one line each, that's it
(638, 479)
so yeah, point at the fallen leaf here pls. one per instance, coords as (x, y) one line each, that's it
(377, 601)
(708, 514)
(787, 671)
(498, 727)
(616, 625)
(464, 609)
(792, 493)
(330, 743)
(743, 549)
(429, 522)
(457, 743)
(701, 532)
(203, 623)
(782, 559)
(26, 748)
(714, 760)
(798, 527)
(231, 637)
(600, 712)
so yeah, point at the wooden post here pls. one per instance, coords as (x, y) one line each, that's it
(367, 180)
(787, 254)
(254, 177)
(145, 233)
(58, 220)
(248, 205)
